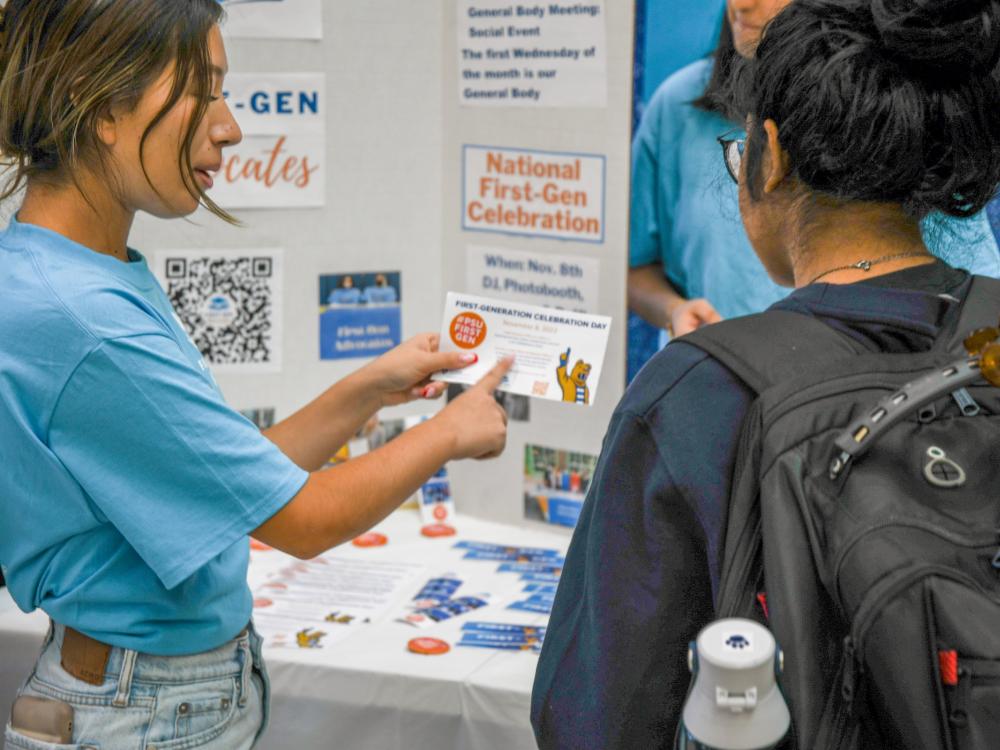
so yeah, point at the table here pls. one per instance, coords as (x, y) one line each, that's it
(367, 691)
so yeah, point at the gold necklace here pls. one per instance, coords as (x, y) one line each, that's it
(866, 265)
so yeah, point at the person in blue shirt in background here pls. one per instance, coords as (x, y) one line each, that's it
(690, 260)
(345, 293)
(381, 292)
(128, 487)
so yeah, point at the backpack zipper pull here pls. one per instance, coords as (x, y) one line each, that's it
(966, 403)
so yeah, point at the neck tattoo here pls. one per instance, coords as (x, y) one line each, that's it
(866, 265)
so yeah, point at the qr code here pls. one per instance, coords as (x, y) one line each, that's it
(228, 304)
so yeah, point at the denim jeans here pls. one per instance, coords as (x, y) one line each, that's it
(215, 700)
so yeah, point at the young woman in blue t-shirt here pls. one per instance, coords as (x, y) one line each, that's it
(128, 486)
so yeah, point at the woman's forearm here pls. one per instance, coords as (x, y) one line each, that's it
(320, 428)
(342, 502)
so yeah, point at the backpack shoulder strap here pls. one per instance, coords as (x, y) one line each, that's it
(765, 349)
(980, 309)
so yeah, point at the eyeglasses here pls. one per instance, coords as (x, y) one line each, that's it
(732, 154)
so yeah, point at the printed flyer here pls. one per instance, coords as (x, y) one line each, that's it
(558, 354)
(517, 54)
(311, 604)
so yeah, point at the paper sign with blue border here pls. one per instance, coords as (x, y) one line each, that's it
(552, 194)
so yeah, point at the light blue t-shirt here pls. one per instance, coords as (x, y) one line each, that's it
(685, 213)
(344, 296)
(127, 486)
(380, 295)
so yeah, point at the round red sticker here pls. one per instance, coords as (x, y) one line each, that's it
(429, 646)
(440, 512)
(437, 529)
(371, 539)
(468, 330)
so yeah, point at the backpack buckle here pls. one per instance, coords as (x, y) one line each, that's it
(838, 464)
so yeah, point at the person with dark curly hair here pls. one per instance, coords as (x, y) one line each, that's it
(863, 117)
(690, 260)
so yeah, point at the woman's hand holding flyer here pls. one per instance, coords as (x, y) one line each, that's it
(558, 354)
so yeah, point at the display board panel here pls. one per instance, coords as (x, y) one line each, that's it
(535, 206)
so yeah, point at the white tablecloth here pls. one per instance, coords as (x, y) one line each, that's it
(368, 692)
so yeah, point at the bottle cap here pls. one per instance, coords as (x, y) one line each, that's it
(428, 646)
(437, 529)
(371, 539)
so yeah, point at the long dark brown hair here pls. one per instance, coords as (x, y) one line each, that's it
(65, 63)
(717, 96)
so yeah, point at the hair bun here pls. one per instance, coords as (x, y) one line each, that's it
(940, 37)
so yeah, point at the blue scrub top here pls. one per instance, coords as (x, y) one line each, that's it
(128, 485)
(685, 213)
(344, 296)
(380, 295)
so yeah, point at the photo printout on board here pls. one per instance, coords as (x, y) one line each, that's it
(555, 484)
(360, 314)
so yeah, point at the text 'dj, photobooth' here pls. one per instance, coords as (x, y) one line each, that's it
(568, 282)
(281, 161)
(533, 193)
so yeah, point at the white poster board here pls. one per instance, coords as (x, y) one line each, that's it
(536, 181)
(273, 19)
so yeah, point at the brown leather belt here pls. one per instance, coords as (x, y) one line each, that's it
(87, 659)
(83, 657)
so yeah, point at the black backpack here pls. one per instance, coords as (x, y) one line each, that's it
(863, 528)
